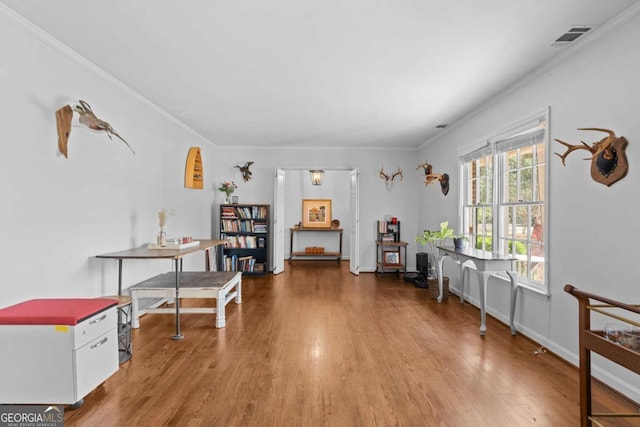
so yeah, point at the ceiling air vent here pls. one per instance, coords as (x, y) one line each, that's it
(570, 36)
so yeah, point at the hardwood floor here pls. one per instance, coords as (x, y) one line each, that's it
(317, 346)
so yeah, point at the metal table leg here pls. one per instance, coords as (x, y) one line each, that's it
(178, 335)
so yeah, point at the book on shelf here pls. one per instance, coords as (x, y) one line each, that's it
(228, 212)
(242, 263)
(387, 237)
(241, 241)
(259, 212)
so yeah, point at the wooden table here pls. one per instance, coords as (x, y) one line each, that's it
(221, 285)
(175, 254)
(486, 263)
(338, 254)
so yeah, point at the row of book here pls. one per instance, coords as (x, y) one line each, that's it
(242, 263)
(388, 237)
(387, 226)
(244, 212)
(243, 225)
(242, 241)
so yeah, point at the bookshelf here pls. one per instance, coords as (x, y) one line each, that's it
(391, 252)
(245, 228)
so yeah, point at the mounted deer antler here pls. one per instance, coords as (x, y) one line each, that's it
(388, 180)
(608, 161)
(443, 178)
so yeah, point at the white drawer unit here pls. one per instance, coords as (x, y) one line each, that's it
(56, 351)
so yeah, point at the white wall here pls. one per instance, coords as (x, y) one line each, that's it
(375, 200)
(593, 229)
(58, 213)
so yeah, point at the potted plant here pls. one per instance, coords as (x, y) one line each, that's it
(432, 239)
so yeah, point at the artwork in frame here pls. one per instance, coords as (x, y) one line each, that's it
(316, 213)
(392, 257)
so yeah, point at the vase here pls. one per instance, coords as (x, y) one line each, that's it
(161, 240)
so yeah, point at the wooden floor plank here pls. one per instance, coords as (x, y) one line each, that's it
(317, 346)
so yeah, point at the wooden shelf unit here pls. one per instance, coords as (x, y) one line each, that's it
(246, 229)
(590, 340)
(389, 248)
(395, 250)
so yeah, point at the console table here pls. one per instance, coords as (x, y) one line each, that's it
(486, 263)
(337, 231)
(174, 254)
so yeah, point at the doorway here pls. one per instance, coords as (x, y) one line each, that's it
(291, 186)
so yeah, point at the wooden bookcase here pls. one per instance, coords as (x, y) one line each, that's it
(391, 252)
(246, 230)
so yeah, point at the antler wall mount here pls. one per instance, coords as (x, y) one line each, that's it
(608, 161)
(430, 177)
(388, 179)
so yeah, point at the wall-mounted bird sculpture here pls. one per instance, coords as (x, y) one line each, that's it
(430, 177)
(87, 117)
(246, 173)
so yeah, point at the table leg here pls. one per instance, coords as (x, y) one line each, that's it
(404, 270)
(220, 308)
(483, 277)
(463, 270)
(513, 275)
(440, 284)
(290, 244)
(178, 335)
(135, 323)
(239, 290)
(120, 276)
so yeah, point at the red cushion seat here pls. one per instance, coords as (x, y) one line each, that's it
(53, 311)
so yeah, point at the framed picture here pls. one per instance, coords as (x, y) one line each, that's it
(392, 257)
(316, 213)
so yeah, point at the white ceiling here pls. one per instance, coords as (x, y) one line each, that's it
(335, 73)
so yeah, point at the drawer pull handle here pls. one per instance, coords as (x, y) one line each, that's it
(98, 344)
(100, 319)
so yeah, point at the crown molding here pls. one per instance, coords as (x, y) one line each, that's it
(56, 44)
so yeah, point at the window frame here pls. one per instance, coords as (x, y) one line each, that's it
(529, 132)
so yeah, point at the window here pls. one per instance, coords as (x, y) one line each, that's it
(503, 190)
